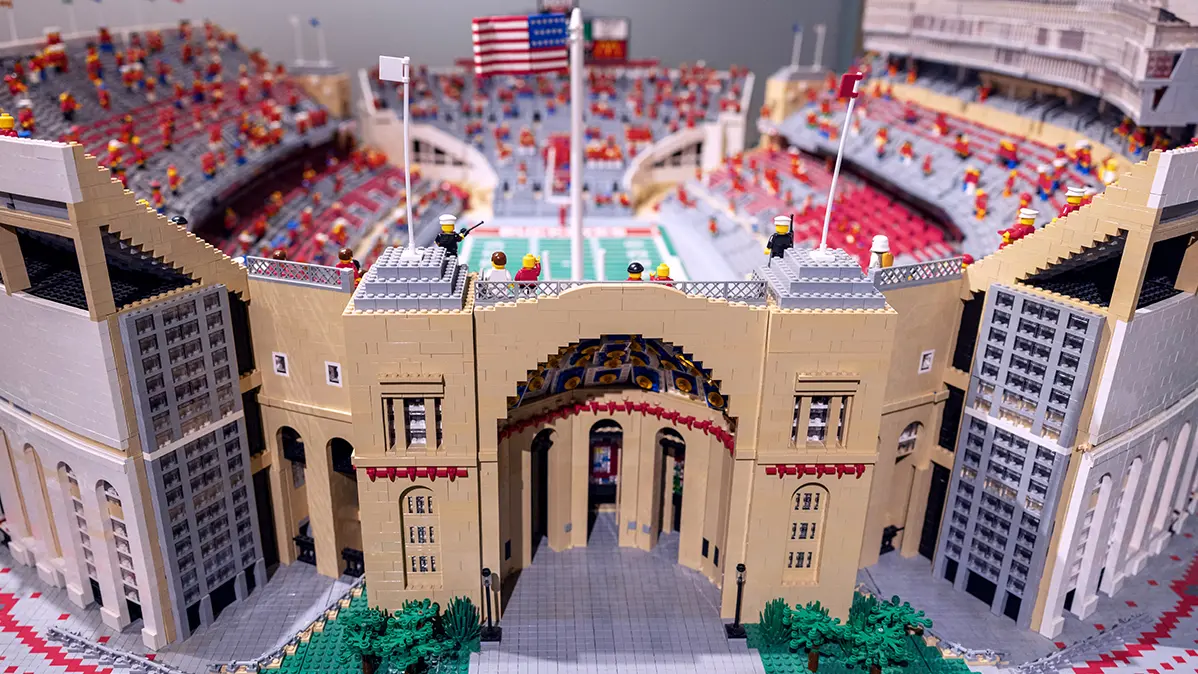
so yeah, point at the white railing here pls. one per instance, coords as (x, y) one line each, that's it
(301, 273)
(494, 292)
(917, 274)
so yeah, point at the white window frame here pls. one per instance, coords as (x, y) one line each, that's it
(328, 371)
(274, 364)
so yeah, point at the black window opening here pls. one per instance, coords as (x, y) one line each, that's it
(1164, 266)
(951, 420)
(243, 343)
(967, 335)
(706, 547)
(1088, 276)
(950, 570)
(255, 435)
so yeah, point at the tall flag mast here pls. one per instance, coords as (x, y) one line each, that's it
(849, 83)
(392, 69)
(576, 103)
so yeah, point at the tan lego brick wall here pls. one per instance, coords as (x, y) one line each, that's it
(304, 324)
(1006, 122)
(331, 91)
(107, 204)
(457, 525)
(769, 532)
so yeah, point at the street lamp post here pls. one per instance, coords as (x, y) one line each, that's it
(737, 630)
(491, 632)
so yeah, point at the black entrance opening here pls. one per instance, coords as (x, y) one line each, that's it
(540, 487)
(1011, 606)
(96, 594)
(980, 587)
(266, 519)
(134, 609)
(937, 492)
(673, 445)
(222, 596)
(605, 444)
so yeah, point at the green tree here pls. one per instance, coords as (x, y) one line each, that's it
(901, 615)
(460, 623)
(811, 628)
(773, 623)
(410, 641)
(878, 647)
(362, 628)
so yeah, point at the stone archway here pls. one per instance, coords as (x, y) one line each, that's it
(293, 455)
(343, 497)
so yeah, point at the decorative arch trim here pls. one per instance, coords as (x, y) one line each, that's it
(413, 472)
(816, 469)
(724, 435)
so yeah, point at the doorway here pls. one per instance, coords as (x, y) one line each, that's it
(266, 519)
(540, 487)
(937, 492)
(673, 456)
(606, 441)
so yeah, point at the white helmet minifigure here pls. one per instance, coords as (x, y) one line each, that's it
(448, 220)
(879, 253)
(782, 224)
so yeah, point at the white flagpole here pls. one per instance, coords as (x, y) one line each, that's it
(848, 116)
(320, 46)
(74, 23)
(299, 39)
(392, 69)
(796, 48)
(576, 103)
(819, 47)
(12, 23)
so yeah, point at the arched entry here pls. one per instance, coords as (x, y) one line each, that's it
(294, 478)
(605, 440)
(673, 456)
(603, 429)
(343, 494)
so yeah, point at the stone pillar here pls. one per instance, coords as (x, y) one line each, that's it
(561, 525)
(667, 494)
(488, 499)
(280, 496)
(63, 511)
(520, 453)
(320, 503)
(627, 501)
(648, 511)
(694, 500)
(577, 442)
(1086, 596)
(738, 533)
(114, 613)
(917, 507)
(42, 535)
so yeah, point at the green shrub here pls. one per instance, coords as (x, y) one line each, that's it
(774, 627)
(461, 622)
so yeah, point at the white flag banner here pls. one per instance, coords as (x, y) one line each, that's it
(609, 29)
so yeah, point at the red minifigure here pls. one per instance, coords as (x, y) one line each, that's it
(961, 146)
(173, 180)
(208, 165)
(68, 105)
(713, 226)
(156, 199)
(1010, 185)
(980, 203)
(1025, 199)
(927, 165)
(907, 152)
(880, 140)
(1073, 201)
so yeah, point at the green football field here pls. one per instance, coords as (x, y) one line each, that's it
(648, 245)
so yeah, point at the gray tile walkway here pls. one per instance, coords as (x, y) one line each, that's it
(269, 617)
(960, 618)
(610, 609)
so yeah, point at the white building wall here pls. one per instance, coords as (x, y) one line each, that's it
(60, 365)
(91, 463)
(1125, 517)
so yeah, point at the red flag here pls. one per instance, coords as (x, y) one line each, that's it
(848, 85)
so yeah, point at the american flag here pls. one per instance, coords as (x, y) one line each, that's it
(520, 44)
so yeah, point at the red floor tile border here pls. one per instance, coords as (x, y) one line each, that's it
(28, 636)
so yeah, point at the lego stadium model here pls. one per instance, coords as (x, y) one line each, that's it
(558, 360)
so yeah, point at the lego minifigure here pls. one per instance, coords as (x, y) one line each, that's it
(961, 146)
(879, 252)
(1073, 200)
(909, 114)
(782, 239)
(208, 165)
(980, 202)
(7, 124)
(530, 269)
(156, 199)
(927, 165)
(68, 105)
(1110, 170)
(713, 226)
(173, 179)
(663, 274)
(1044, 187)
(940, 125)
(635, 270)
(907, 152)
(345, 260)
(498, 270)
(1010, 184)
(880, 140)
(1058, 174)
(1083, 158)
(447, 238)
(1025, 199)
(279, 254)
(969, 183)
(1008, 154)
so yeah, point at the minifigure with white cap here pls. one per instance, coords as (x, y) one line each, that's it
(879, 253)
(1073, 200)
(1044, 186)
(1025, 226)
(449, 239)
(783, 238)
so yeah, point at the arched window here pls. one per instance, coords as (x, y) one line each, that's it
(70, 487)
(1115, 556)
(1154, 479)
(908, 438)
(806, 530)
(17, 510)
(1164, 506)
(1184, 446)
(420, 521)
(50, 538)
(120, 538)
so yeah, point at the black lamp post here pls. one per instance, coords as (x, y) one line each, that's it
(491, 632)
(737, 630)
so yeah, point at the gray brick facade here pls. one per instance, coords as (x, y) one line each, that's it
(182, 368)
(1031, 370)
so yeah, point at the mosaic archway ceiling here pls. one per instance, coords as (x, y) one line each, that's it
(621, 361)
